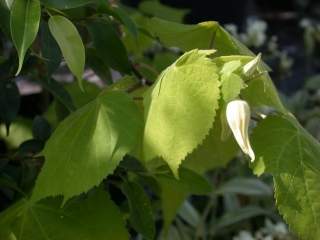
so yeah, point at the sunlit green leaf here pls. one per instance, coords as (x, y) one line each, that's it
(94, 138)
(80, 98)
(70, 43)
(260, 90)
(180, 108)
(232, 84)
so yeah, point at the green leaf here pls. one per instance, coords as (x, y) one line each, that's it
(49, 49)
(205, 35)
(260, 90)
(4, 18)
(141, 215)
(95, 139)
(91, 91)
(163, 60)
(30, 147)
(20, 131)
(186, 37)
(24, 24)
(9, 3)
(232, 84)
(245, 186)
(284, 149)
(239, 216)
(174, 191)
(189, 214)
(228, 45)
(95, 217)
(9, 102)
(70, 43)
(100, 68)
(231, 66)
(59, 92)
(41, 129)
(124, 83)
(63, 4)
(108, 45)
(213, 152)
(123, 17)
(137, 45)
(180, 108)
(157, 9)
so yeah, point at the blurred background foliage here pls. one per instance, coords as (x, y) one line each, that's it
(241, 207)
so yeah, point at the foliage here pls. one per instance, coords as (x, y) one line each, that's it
(106, 162)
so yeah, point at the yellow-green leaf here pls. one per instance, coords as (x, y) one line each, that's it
(180, 108)
(88, 145)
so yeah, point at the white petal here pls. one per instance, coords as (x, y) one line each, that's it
(238, 118)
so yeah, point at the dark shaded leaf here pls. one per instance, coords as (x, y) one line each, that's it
(30, 147)
(98, 65)
(109, 47)
(9, 101)
(24, 24)
(141, 216)
(41, 129)
(65, 4)
(49, 49)
(59, 92)
(94, 217)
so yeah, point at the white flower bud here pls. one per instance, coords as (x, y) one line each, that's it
(238, 118)
(251, 66)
